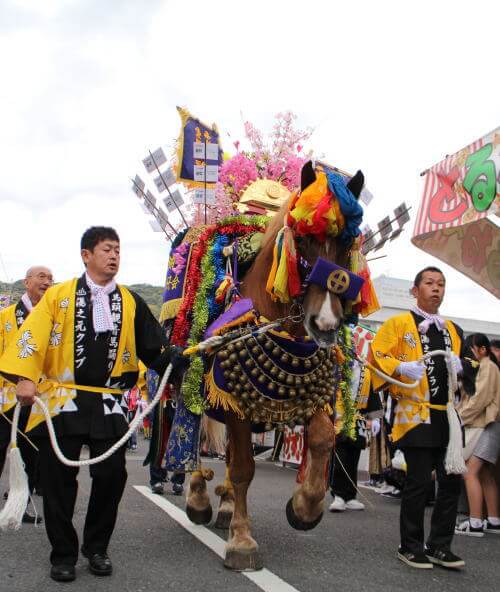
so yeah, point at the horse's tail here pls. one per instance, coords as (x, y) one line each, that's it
(214, 434)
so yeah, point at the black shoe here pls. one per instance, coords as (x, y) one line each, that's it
(177, 488)
(418, 560)
(38, 491)
(158, 488)
(445, 558)
(491, 528)
(99, 563)
(29, 519)
(6, 495)
(63, 573)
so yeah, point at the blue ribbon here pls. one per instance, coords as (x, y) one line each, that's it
(349, 206)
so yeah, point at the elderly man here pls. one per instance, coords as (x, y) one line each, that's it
(86, 338)
(38, 279)
(420, 425)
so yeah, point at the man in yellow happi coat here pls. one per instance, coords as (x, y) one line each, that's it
(80, 348)
(420, 427)
(37, 280)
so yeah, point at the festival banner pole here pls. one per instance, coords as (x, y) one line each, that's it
(146, 198)
(205, 183)
(168, 189)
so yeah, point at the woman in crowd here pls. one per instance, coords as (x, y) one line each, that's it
(480, 414)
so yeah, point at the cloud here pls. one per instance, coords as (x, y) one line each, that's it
(89, 86)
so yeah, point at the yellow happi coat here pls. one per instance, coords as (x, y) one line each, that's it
(8, 331)
(43, 349)
(398, 340)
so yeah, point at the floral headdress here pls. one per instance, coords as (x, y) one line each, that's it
(325, 207)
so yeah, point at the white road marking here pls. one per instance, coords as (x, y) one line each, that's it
(264, 579)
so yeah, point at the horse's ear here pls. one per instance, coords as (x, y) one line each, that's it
(355, 184)
(307, 175)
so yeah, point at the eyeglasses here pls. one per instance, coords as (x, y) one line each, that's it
(43, 277)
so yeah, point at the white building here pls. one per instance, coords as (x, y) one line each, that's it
(394, 296)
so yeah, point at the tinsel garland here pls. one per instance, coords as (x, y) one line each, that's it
(193, 377)
(348, 405)
(206, 271)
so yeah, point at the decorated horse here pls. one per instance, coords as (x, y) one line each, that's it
(277, 292)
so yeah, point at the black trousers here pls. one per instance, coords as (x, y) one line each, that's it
(60, 487)
(420, 463)
(28, 453)
(344, 477)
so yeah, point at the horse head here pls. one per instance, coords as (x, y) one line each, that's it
(323, 308)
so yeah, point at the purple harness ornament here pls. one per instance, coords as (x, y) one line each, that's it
(335, 279)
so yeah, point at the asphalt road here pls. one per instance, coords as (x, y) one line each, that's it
(152, 552)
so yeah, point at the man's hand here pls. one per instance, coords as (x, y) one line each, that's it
(25, 392)
(375, 427)
(412, 370)
(178, 361)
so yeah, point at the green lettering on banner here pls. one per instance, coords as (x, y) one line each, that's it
(480, 181)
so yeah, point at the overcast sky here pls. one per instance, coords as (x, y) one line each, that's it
(89, 86)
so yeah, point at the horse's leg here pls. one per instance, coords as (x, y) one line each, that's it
(226, 493)
(305, 509)
(198, 508)
(241, 549)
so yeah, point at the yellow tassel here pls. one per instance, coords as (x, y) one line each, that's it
(328, 408)
(246, 318)
(373, 304)
(219, 398)
(272, 274)
(170, 309)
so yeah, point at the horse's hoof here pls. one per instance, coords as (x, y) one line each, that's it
(240, 560)
(199, 516)
(295, 522)
(223, 520)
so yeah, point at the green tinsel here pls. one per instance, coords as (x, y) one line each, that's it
(348, 403)
(192, 380)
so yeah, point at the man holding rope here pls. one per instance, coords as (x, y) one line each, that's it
(85, 338)
(38, 279)
(421, 427)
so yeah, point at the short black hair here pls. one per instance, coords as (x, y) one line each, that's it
(95, 234)
(420, 274)
(495, 343)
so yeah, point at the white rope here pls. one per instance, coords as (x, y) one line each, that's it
(12, 513)
(132, 427)
(454, 461)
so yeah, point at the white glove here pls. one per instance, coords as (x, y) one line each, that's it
(412, 370)
(375, 427)
(457, 363)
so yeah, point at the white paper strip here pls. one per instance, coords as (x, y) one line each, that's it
(199, 173)
(139, 182)
(212, 173)
(137, 191)
(169, 177)
(150, 198)
(212, 152)
(199, 196)
(366, 196)
(199, 150)
(172, 203)
(159, 158)
(155, 226)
